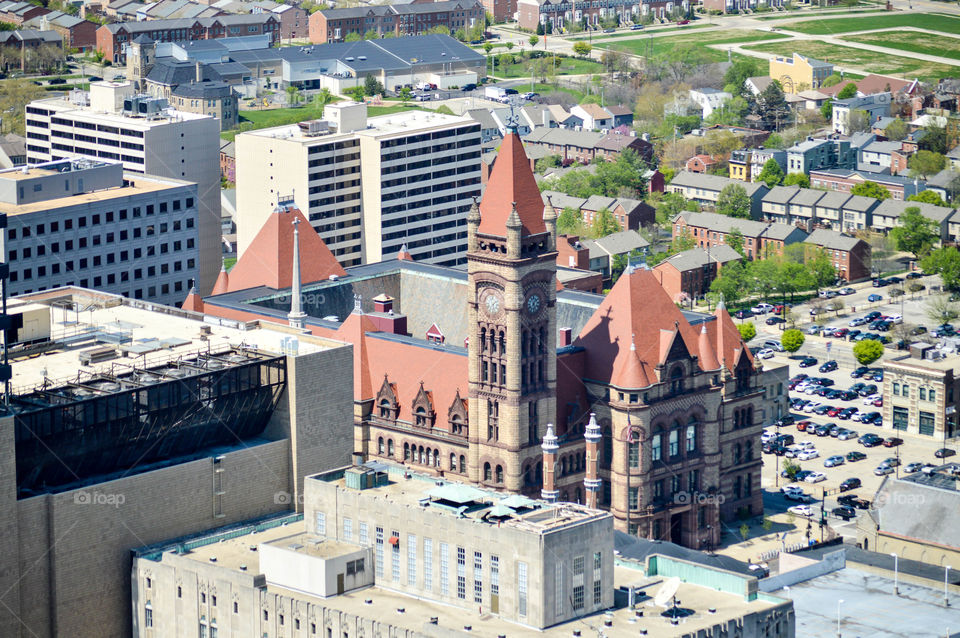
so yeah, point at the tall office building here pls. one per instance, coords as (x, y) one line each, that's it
(112, 123)
(82, 222)
(368, 186)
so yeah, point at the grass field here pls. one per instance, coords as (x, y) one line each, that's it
(251, 120)
(793, 15)
(656, 46)
(934, 22)
(939, 45)
(608, 36)
(568, 66)
(866, 60)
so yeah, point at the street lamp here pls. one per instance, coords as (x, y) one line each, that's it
(896, 561)
(946, 577)
(839, 602)
(778, 424)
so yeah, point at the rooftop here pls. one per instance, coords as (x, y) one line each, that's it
(65, 107)
(381, 125)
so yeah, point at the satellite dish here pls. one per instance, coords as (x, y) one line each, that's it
(667, 591)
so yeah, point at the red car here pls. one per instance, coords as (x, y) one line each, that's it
(683, 22)
(833, 411)
(803, 425)
(892, 442)
(840, 332)
(878, 403)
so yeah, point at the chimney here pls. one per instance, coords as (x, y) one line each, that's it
(199, 72)
(566, 337)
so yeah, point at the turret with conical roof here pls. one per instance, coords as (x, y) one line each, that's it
(514, 231)
(550, 221)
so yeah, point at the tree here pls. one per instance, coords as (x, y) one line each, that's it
(677, 62)
(721, 143)
(871, 189)
(797, 179)
(896, 130)
(533, 40)
(293, 95)
(927, 197)
(916, 234)
(371, 35)
(406, 94)
(771, 106)
(941, 310)
(832, 80)
(858, 121)
(867, 351)
(487, 48)
(747, 331)
(510, 46)
(14, 97)
(820, 266)
(744, 531)
(772, 173)
(355, 94)
(791, 340)
(848, 91)
(733, 201)
(738, 72)
(582, 49)
(731, 283)
(460, 35)
(683, 241)
(946, 263)
(570, 222)
(735, 241)
(604, 223)
(926, 163)
(440, 29)
(836, 305)
(353, 36)
(935, 138)
(775, 141)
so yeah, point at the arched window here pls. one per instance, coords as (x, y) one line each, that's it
(436, 458)
(385, 409)
(421, 455)
(380, 446)
(390, 447)
(691, 437)
(429, 456)
(563, 466)
(737, 454)
(539, 474)
(457, 424)
(421, 416)
(565, 496)
(453, 462)
(527, 475)
(406, 451)
(542, 341)
(493, 342)
(503, 343)
(486, 472)
(463, 464)
(499, 474)
(483, 339)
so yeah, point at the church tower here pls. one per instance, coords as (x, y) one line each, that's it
(512, 268)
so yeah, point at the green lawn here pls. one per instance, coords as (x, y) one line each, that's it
(793, 15)
(637, 34)
(939, 45)
(867, 60)
(656, 46)
(568, 66)
(934, 22)
(254, 119)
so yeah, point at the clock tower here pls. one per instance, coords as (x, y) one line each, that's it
(511, 262)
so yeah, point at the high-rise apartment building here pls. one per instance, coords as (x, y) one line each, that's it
(112, 123)
(82, 222)
(368, 186)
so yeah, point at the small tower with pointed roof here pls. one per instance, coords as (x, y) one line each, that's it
(592, 481)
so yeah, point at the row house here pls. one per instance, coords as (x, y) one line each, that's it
(705, 189)
(687, 275)
(886, 156)
(839, 179)
(75, 32)
(792, 205)
(334, 25)
(887, 215)
(26, 39)
(747, 164)
(850, 256)
(113, 39)
(584, 146)
(17, 13)
(760, 239)
(555, 14)
(631, 214)
(738, 6)
(845, 212)
(810, 209)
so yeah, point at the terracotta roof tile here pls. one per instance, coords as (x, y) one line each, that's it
(193, 302)
(631, 374)
(511, 181)
(222, 284)
(353, 330)
(268, 260)
(708, 356)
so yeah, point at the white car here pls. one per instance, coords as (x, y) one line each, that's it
(805, 445)
(761, 308)
(870, 399)
(813, 389)
(896, 318)
(803, 385)
(816, 477)
(766, 353)
(806, 455)
(810, 407)
(801, 510)
(768, 435)
(846, 435)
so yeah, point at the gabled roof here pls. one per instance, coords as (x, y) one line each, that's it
(705, 181)
(511, 182)
(268, 260)
(896, 208)
(698, 257)
(832, 240)
(621, 243)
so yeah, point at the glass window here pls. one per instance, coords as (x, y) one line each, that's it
(655, 447)
(691, 437)
(927, 421)
(674, 442)
(321, 523)
(900, 418)
(633, 450)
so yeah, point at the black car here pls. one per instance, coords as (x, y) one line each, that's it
(743, 314)
(859, 372)
(825, 381)
(852, 334)
(918, 330)
(850, 484)
(895, 280)
(822, 430)
(944, 452)
(876, 375)
(799, 376)
(772, 321)
(848, 396)
(852, 500)
(867, 390)
(844, 511)
(784, 439)
(914, 275)
(806, 362)
(873, 314)
(468, 87)
(855, 456)
(829, 366)
(880, 283)
(872, 442)
(56, 81)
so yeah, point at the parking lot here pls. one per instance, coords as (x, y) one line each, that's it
(912, 450)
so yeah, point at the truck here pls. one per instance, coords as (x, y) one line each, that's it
(498, 94)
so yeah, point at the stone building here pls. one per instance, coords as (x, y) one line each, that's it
(920, 397)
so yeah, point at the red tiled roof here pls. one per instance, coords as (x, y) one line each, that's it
(511, 181)
(268, 260)
(631, 374)
(222, 284)
(708, 355)
(353, 330)
(729, 344)
(639, 308)
(193, 302)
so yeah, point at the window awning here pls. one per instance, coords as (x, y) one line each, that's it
(393, 540)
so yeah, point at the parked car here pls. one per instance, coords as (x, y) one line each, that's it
(880, 283)
(807, 455)
(814, 330)
(847, 291)
(816, 477)
(833, 461)
(846, 435)
(761, 308)
(852, 500)
(883, 469)
(636, 27)
(844, 511)
(891, 461)
(743, 314)
(892, 442)
(850, 484)
(806, 362)
(773, 344)
(828, 366)
(944, 452)
(855, 456)
(470, 86)
(801, 510)
(874, 297)
(765, 353)
(910, 468)
(774, 320)
(802, 425)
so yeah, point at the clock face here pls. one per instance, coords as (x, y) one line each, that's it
(533, 304)
(491, 303)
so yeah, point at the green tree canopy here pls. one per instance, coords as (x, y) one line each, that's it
(731, 283)
(867, 351)
(747, 330)
(797, 179)
(896, 130)
(582, 49)
(935, 138)
(791, 340)
(926, 163)
(733, 201)
(832, 80)
(570, 222)
(771, 105)
(941, 310)
(871, 189)
(848, 91)
(772, 173)
(738, 72)
(370, 35)
(735, 241)
(533, 40)
(372, 86)
(916, 234)
(946, 263)
(604, 223)
(928, 197)
(14, 97)
(353, 36)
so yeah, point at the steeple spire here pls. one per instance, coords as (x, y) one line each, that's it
(296, 314)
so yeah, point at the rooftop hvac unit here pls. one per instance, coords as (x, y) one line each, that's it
(152, 106)
(131, 105)
(314, 127)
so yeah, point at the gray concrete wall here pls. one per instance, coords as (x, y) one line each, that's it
(830, 563)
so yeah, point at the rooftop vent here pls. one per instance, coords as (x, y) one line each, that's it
(213, 559)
